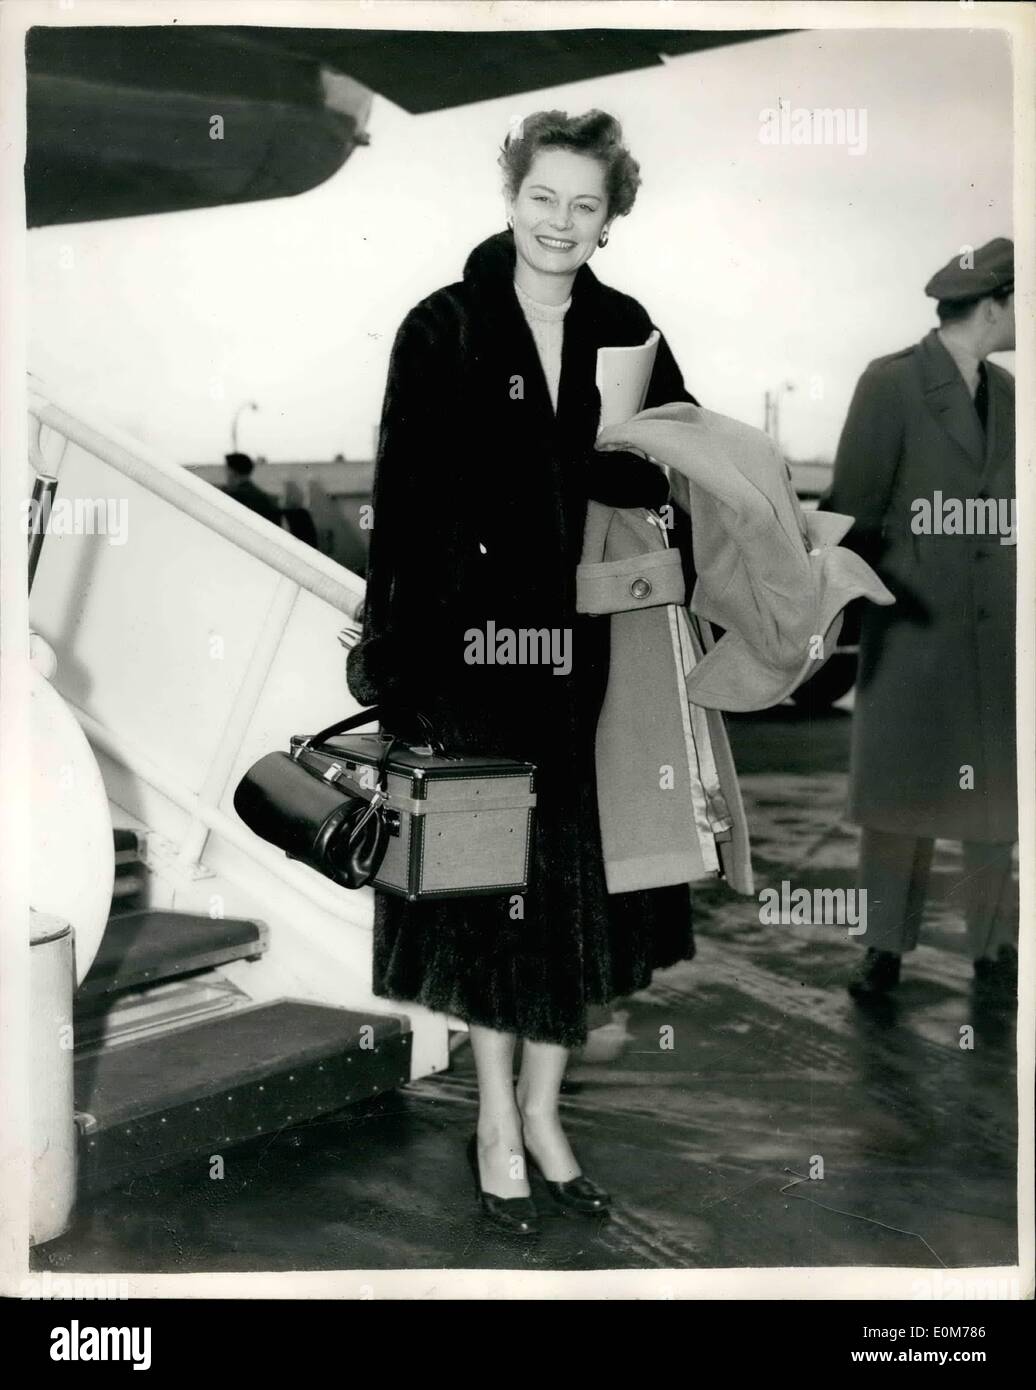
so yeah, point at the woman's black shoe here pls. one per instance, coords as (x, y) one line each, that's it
(580, 1195)
(515, 1215)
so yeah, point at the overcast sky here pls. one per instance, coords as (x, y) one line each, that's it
(763, 264)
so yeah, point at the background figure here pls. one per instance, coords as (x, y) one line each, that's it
(297, 518)
(239, 485)
(926, 466)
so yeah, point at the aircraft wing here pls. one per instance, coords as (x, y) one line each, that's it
(121, 120)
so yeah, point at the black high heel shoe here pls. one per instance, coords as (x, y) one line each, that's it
(580, 1195)
(515, 1215)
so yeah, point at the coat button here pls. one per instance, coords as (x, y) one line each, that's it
(640, 588)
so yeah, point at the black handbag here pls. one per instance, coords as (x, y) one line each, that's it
(340, 834)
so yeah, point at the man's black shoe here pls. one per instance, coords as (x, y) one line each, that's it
(876, 974)
(1007, 960)
(996, 981)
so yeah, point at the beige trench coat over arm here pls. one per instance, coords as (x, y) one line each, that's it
(775, 579)
(669, 803)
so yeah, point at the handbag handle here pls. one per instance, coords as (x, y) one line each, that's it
(365, 716)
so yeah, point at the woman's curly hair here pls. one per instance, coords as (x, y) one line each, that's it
(595, 134)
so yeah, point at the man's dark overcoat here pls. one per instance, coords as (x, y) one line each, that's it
(480, 499)
(935, 693)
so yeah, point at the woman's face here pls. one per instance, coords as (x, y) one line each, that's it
(559, 211)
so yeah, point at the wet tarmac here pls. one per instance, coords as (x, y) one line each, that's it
(784, 1126)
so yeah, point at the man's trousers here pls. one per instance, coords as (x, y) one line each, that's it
(895, 869)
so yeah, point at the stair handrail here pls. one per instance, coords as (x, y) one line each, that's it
(309, 568)
(325, 894)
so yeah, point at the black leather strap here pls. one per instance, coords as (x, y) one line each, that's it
(367, 716)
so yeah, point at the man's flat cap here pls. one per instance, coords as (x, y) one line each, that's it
(991, 269)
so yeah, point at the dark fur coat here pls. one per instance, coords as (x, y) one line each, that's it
(480, 499)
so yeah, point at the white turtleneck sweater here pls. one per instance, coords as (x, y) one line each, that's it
(547, 324)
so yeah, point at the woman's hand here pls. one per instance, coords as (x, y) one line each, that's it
(622, 478)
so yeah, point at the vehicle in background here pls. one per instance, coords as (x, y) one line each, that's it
(811, 479)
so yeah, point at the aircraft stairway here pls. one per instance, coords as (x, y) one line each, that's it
(224, 991)
(172, 1058)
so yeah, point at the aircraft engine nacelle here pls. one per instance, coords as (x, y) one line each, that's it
(72, 872)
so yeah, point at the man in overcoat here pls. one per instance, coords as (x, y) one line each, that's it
(926, 466)
(239, 484)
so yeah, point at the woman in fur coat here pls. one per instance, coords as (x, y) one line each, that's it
(485, 466)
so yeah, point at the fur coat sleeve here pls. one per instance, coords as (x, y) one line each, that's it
(414, 518)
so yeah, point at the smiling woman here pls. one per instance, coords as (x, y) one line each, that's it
(485, 469)
(566, 181)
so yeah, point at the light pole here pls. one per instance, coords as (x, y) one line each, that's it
(248, 405)
(772, 411)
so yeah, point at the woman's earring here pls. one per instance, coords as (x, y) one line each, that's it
(604, 239)
(510, 223)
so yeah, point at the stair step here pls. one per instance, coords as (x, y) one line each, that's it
(147, 1105)
(127, 842)
(127, 885)
(110, 1020)
(145, 947)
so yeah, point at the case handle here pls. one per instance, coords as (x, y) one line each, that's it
(365, 716)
